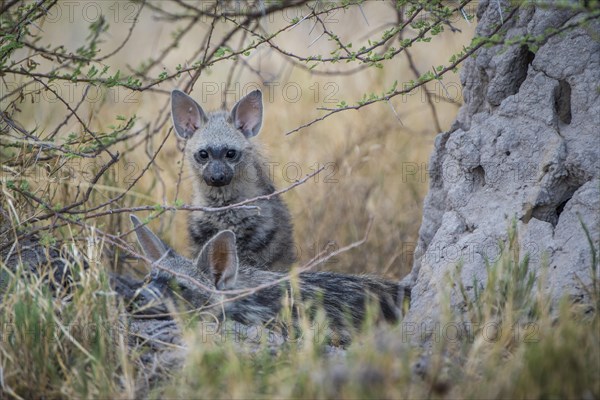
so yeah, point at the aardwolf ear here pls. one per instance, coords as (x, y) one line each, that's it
(186, 113)
(219, 256)
(247, 114)
(151, 245)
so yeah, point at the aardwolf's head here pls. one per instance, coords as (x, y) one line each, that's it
(197, 282)
(218, 145)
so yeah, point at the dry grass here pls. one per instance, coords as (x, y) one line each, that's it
(58, 342)
(74, 344)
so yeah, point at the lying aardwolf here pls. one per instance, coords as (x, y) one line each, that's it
(253, 296)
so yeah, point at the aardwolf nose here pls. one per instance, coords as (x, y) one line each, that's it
(219, 178)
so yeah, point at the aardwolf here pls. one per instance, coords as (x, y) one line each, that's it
(253, 296)
(229, 168)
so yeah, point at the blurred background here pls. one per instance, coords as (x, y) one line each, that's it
(375, 158)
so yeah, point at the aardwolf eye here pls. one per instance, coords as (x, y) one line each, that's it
(200, 156)
(231, 154)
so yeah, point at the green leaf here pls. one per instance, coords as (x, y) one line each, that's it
(221, 51)
(92, 72)
(113, 80)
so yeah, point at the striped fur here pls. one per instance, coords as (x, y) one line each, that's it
(344, 298)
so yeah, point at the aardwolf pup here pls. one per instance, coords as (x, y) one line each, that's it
(344, 298)
(229, 168)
